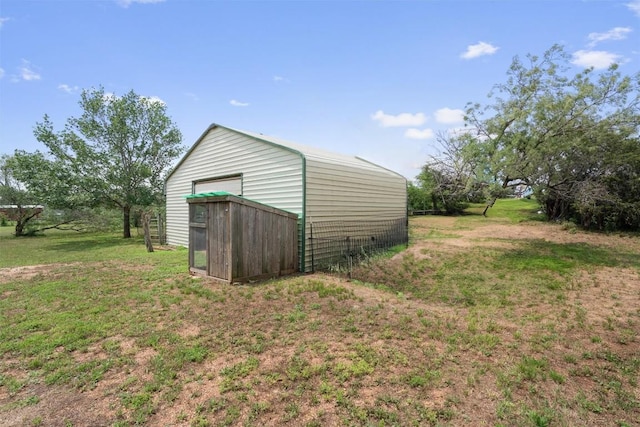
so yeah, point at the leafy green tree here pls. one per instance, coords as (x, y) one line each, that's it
(418, 198)
(610, 198)
(446, 191)
(115, 154)
(14, 193)
(22, 173)
(570, 138)
(448, 182)
(51, 181)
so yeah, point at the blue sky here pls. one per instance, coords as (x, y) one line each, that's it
(376, 79)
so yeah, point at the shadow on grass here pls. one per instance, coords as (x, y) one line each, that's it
(87, 243)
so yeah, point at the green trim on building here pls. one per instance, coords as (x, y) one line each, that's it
(303, 250)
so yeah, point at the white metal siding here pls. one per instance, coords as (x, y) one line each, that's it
(351, 191)
(344, 192)
(270, 175)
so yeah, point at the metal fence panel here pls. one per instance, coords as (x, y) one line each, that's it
(336, 245)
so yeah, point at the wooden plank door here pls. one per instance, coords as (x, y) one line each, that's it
(219, 247)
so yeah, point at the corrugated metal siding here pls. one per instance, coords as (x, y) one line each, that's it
(270, 175)
(351, 191)
(337, 192)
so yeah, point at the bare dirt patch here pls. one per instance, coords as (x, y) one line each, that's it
(59, 406)
(28, 271)
(189, 331)
(607, 293)
(506, 235)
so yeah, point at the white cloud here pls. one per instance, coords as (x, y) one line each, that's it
(634, 6)
(1, 73)
(414, 133)
(26, 73)
(238, 103)
(3, 20)
(449, 116)
(192, 95)
(459, 131)
(479, 49)
(597, 59)
(153, 100)
(617, 33)
(403, 119)
(69, 89)
(112, 97)
(279, 79)
(127, 3)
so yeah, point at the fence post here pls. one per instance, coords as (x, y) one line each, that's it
(161, 237)
(349, 256)
(313, 261)
(146, 219)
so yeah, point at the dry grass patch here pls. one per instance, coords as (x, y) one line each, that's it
(476, 323)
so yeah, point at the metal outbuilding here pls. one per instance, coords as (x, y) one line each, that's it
(345, 204)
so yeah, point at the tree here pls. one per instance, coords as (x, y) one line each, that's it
(568, 138)
(448, 181)
(115, 154)
(418, 198)
(14, 193)
(22, 182)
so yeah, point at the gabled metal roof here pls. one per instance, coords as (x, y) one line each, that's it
(304, 151)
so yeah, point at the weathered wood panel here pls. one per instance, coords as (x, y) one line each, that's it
(219, 240)
(248, 240)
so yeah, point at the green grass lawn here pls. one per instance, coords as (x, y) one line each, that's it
(515, 210)
(465, 328)
(66, 246)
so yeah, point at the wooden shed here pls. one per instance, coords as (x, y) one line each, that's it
(344, 203)
(233, 239)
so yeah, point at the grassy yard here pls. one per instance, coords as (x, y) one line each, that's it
(504, 320)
